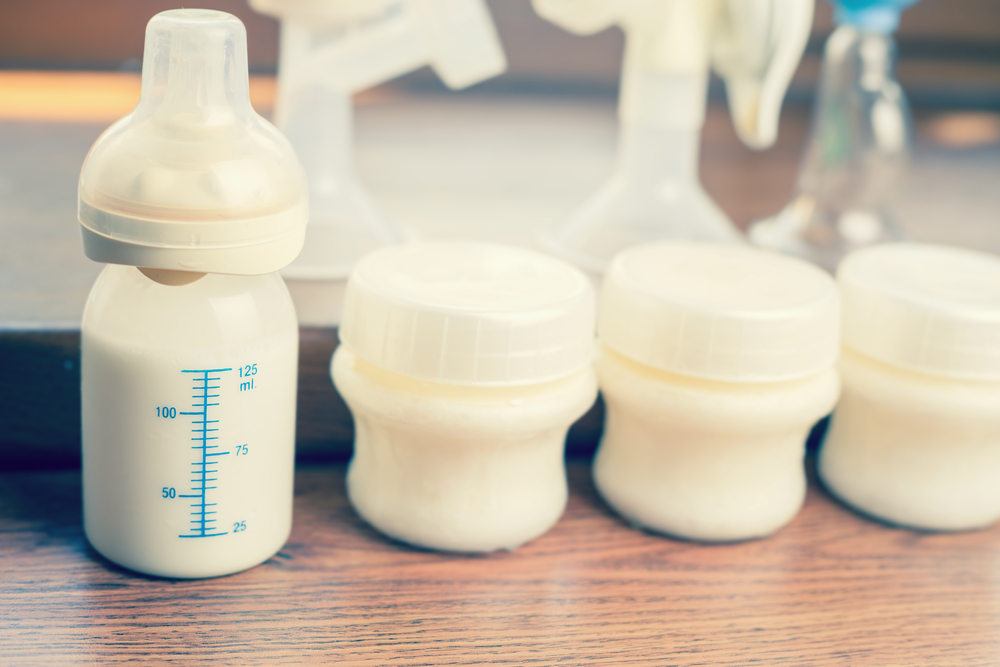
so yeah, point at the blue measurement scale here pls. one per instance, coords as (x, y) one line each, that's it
(206, 430)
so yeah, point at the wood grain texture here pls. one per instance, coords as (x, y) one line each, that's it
(832, 588)
(41, 414)
(40, 403)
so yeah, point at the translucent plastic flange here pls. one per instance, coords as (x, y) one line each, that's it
(344, 224)
(654, 192)
(856, 155)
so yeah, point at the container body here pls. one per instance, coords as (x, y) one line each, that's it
(914, 449)
(188, 411)
(702, 459)
(458, 468)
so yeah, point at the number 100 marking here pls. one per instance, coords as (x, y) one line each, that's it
(166, 413)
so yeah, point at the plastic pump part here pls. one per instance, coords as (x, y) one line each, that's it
(718, 312)
(655, 193)
(333, 48)
(928, 308)
(320, 10)
(754, 44)
(469, 314)
(193, 179)
(756, 48)
(352, 45)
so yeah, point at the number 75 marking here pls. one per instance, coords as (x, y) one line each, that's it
(242, 450)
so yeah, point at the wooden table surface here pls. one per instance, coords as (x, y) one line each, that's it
(832, 588)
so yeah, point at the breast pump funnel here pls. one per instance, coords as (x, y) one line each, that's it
(858, 148)
(654, 192)
(331, 49)
(193, 179)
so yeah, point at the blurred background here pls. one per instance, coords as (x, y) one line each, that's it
(75, 61)
(949, 50)
(498, 161)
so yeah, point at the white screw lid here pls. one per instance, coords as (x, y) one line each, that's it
(720, 312)
(194, 179)
(469, 313)
(927, 308)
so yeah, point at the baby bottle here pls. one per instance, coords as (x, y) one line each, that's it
(858, 147)
(189, 337)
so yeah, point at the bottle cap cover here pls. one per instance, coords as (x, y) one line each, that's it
(720, 312)
(881, 16)
(193, 179)
(469, 314)
(928, 308)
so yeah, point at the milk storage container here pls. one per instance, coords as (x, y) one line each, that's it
(464, 365)
(915, 439)
(714, 362)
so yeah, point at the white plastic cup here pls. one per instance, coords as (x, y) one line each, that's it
(714, 362)
(915, 439)
(464, 365)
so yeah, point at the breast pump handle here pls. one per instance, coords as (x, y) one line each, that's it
(756, 49)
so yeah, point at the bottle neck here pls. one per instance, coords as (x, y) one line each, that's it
(171, 277)
(858, 58)
(651, 156)
(317, 118)
(662, 99)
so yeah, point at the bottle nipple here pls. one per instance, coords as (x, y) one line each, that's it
(193, 84)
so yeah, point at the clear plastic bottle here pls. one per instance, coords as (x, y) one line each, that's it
(654, 192)
(858, 146)
(189, 338)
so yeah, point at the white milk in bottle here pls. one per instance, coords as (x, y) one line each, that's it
(189, 416)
